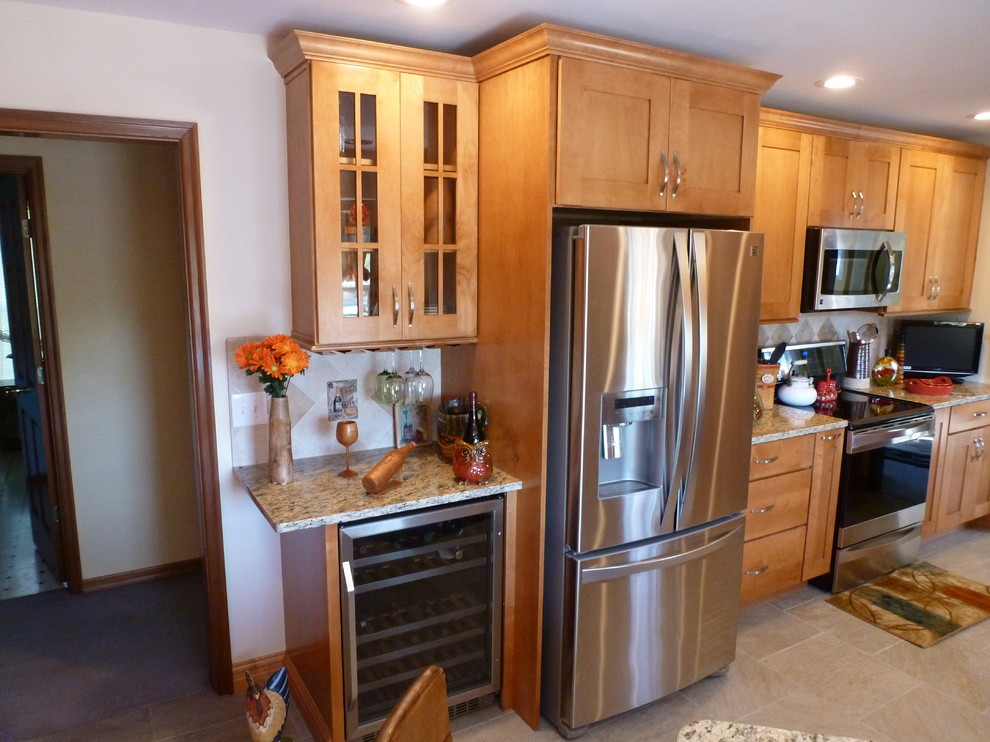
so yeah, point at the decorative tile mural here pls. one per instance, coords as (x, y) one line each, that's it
(311, 406)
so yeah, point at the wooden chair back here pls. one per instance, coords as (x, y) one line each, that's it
(421, 713)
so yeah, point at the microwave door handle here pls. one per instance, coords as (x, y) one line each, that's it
(891, 272)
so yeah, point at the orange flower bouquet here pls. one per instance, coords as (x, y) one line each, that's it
(275, 359)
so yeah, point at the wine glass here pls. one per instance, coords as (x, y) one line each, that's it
(394, 386)
(380, 385)
(347, 435)
(421, 384)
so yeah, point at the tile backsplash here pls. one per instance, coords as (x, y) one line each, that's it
(818, 328)
(313, 432)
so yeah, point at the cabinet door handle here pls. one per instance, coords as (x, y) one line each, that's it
(980, 414)
(759, 571)
(830, 437)
(852, 211)
(758, 511)
(862, 205)
(938, 287)
(677, 180)
(395, 310)
(666, 172)
(766, 461)
(979, 446)
(931, 288)
(412, 303)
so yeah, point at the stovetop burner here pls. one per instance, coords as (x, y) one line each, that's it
(863, 409)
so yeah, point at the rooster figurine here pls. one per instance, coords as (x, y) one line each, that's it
(267, 707)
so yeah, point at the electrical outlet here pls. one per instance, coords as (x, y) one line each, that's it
(248, 409)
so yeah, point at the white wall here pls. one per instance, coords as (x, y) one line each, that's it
(78, 62)
(115, 235)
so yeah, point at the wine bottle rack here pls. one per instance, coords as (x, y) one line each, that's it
(419, 590)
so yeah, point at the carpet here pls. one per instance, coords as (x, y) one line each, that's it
(920, 603)
(72, 659)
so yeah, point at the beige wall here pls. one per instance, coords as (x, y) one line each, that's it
(117, 265)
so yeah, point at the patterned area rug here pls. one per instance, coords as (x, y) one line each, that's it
(920, 603)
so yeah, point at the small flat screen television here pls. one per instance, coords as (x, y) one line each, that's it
(934, 348)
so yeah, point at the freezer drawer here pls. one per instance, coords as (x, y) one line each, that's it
(650, 620)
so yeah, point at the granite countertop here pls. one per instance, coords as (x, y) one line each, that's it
(318, 497)
(781, 421)
(727, 731)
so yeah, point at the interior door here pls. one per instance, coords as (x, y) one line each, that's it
(25, 336)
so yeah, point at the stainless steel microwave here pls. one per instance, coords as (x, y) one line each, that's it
(852, 269)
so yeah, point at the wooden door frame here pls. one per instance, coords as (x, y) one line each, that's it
(184, 136)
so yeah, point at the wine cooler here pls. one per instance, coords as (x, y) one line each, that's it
(417, 590)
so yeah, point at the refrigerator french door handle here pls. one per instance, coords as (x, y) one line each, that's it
(601, 574)
(687, 391)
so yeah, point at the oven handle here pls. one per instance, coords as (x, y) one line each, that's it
(865, 440)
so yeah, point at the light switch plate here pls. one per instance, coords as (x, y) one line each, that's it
(248, 409)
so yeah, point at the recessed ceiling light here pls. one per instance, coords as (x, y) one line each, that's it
(838, 82)
(981, 116)
(424, 3)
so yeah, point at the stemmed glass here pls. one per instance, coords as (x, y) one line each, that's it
(347, 435)
(393, 388)
(419, 387)
(380, 385)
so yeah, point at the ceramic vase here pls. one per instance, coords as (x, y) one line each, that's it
(472, 463)
(279, 441)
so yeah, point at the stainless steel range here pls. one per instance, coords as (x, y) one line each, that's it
(884, 482)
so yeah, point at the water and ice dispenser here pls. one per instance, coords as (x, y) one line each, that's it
(630, 442)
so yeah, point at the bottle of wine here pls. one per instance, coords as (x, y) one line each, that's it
(473, 432)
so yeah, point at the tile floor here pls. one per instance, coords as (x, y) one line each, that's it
(801, 664)
(22, 572)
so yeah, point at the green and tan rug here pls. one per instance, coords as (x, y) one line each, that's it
(920, 603)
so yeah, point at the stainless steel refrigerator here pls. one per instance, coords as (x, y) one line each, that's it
(653, 333)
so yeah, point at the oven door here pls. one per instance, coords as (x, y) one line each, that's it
(884, 482)
(852, 269)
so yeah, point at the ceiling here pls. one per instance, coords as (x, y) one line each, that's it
(924, 64)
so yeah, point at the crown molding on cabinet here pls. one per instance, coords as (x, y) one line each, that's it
(297, 47)
(548, 39)
(831, 127)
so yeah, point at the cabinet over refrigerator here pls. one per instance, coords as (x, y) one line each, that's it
(651, 392)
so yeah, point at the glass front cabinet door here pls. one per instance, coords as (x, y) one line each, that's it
(383, 206)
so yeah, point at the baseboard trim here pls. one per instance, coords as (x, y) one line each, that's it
(261, 668)
(310, 710)
(136, 576)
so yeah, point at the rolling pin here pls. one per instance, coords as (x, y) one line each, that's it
(380, 475)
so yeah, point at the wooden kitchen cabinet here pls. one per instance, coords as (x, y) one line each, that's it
(382, 161)
(790, 515)
(939, 201)
(636, 140)
(783, 181)
(853, 183)
(964, 467)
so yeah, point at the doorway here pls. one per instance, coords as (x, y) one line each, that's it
(181, 136)
(33, 553)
